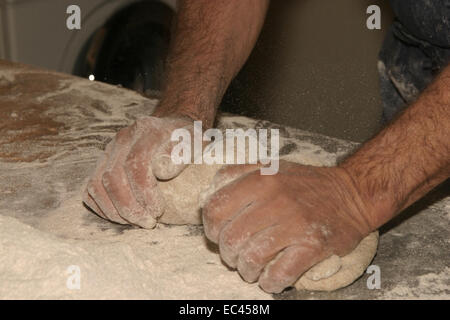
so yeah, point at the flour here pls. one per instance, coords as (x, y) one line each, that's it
(117, 263)
(429, 286)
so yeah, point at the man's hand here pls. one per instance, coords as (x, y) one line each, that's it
(274, 228)
(124, 187)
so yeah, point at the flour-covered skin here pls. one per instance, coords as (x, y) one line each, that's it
(272, 229)
(124, 188)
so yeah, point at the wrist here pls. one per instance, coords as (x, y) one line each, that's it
(187, 112)
(377, 203)
(187, 107)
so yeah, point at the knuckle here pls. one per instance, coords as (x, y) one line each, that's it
(107, 179)
(131, 160)
(92, 190)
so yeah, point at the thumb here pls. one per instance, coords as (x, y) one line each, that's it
(163, 166)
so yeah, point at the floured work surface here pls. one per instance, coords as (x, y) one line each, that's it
(53, 127)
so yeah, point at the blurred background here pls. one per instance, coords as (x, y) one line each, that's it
(314, 65)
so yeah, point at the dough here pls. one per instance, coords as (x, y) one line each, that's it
(185, 194)
(181, 194)
(335, 272)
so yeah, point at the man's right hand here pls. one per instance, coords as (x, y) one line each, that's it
(124, 186)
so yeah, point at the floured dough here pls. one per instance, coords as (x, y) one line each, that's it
(182, 194)
(338, 272)
(185, 194)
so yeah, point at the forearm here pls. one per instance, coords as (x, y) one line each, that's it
(408, 158)
(211, 42)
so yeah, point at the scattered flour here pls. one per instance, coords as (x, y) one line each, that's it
(429, 286)
(124, 263)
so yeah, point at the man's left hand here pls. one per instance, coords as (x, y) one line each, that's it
(274, 228)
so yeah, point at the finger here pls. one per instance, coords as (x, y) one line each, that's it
(259, 250)
(115, 182)
(288, 266)
(226, 203)
(162, 164)
(141, 178)
(247, 223)
(92, 205)
(98, 193)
